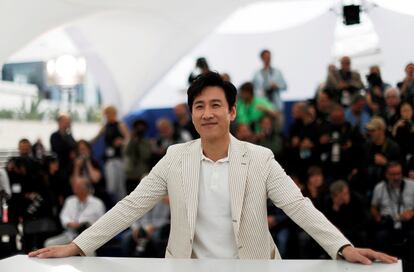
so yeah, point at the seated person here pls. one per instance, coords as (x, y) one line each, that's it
(348, 212)
(79, 212)
(147, 237)
(392, 208)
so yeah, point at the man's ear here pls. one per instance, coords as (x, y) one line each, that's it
(233, 113)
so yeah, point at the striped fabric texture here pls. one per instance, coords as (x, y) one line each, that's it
(254, 176)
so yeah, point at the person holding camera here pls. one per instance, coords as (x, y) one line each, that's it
(392, 208)
(407, 84)
(376, 89)
(85, 166)
(269, 81)
(79, 212)
(403, 131)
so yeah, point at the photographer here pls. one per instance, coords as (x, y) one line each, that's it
(79, 212)
(376, 88)
(88, 168)
(403, 131)
(138, 155)
(392, 208)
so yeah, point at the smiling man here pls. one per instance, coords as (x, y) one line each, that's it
(218, 188)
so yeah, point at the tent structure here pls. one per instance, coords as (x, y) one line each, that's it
(134, 48)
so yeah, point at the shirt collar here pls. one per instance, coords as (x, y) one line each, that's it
(225, 159)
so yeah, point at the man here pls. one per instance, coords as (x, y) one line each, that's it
(218, 189)
(347, 211)
(380, 150)
(79, 212)
(407, 85)
(183, 124)
(344, 82)
(393, 207)
(269, 81)
(250, 108)
(356, 114)
(375, 90)
(390, 113)
(62, 143)
(116, 135)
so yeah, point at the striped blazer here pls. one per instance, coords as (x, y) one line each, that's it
(254, 176)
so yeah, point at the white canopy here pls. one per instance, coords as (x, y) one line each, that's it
(131, 45)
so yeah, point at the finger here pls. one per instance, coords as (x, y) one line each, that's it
(37, 252)
(48, 254)
(386, 258)
(379, 256)
(362, 259)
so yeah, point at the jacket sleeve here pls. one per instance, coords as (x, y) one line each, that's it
(286, 195)
(150, 191)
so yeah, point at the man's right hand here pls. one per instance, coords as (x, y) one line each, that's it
(57, 251)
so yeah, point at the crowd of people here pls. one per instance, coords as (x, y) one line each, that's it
(348, 149)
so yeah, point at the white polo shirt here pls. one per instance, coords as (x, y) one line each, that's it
(214, 234)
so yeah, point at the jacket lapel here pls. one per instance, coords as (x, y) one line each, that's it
(190, 181)
(238, 167)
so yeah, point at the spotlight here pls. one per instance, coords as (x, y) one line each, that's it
(351, 14)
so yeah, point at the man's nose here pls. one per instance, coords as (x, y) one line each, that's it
(207, 114)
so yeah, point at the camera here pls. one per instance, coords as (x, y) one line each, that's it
(374, 80)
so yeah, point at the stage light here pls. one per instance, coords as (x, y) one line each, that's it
(351, 14)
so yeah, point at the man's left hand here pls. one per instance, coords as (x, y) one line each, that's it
(366, 256)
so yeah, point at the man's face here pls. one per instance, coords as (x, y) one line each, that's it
(394, 174)
(358, 106)
(376, 133)
(211, 115)
(392, 99)
(25, 149)
(266, 57)
(345, 195)
(346, 64)
(64, 123)
(246, 96)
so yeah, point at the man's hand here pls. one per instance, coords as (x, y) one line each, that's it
(366, 255)
(57, 251)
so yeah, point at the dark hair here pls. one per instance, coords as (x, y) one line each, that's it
(24, 141)
(264, 51)
(247, 87)
(211, 79)
(202, 63)
(392, 164)
(86, 143)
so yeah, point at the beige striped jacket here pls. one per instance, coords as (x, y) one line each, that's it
(254, 176)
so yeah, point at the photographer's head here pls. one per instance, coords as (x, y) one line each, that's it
(374, 76)
(406, 111)
(80, 187)
(25, 148)
(266, 57)
(139, 128)
(346, 64)
(340, 192)
(83, 148)
(393, 174)
(64, 121)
